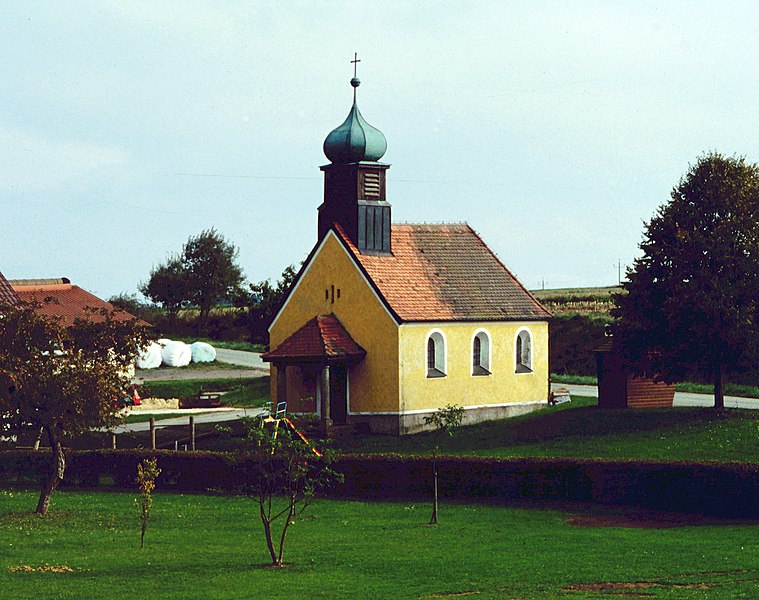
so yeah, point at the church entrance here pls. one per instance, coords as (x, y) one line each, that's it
(338, 393)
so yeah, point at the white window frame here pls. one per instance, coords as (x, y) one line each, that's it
(521, 366)
(441, 354)
(486, 359)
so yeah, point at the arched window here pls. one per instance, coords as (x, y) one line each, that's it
(435, 354)
(481, 353)
(524, 352)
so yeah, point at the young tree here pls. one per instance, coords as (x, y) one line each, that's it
(266, 300)
(444, 421)
(168, 286)
(147, 472)
(212, 272)
(62, 380)
(287, 477)
(692, 298)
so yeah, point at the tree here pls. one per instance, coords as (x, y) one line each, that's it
(287, 477)
(204, 273)
(167, 286)
(444, 421)
(265, 302)
(211, 270)
(63, 380)
(147, 473)
(691, 302)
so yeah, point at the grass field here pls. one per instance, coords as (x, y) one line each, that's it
(580, 429)
(212, 547)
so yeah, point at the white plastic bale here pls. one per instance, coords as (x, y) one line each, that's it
(150, 358)
(176, 354)
(202, 352)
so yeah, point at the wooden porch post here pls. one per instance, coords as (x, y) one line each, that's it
(325, 407)
(281, 382)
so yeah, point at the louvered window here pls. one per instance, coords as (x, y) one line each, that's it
(372, 185)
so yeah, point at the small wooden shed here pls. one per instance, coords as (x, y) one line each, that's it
(619, 388)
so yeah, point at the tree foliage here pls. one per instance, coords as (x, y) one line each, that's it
(265, 301)
(203, 273)
(692, 301)
(147, 472)
(287, 478)
(210, 264)
(167, 286)
(63, 380)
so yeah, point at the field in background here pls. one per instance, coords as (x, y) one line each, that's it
(578, 301)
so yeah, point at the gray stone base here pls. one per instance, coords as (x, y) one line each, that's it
(403, 424)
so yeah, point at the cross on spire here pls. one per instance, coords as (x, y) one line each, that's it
(355, 60)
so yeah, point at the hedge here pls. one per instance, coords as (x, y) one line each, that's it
(715, 489)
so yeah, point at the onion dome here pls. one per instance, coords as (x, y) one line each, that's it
(355, 140)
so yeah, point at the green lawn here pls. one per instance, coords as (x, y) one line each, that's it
(212, 547)
(581, 429)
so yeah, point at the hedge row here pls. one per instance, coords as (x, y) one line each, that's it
(716, 489)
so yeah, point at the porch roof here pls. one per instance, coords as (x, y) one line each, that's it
(322, 339)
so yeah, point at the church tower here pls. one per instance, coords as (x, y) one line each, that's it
(354, 182)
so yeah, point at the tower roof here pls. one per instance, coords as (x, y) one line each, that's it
(355, 140)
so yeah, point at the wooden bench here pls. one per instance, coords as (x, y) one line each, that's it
(558, 396)
(209, 398)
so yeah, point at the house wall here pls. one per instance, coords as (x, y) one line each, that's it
(482, 395)
(644, 392)
(374, 381)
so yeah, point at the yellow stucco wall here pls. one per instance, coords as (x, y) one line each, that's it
(459, 386)
(374, 382)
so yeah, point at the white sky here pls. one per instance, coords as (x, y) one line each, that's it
(554, 128)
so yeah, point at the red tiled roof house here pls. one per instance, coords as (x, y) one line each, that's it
(63, 300)
(387, 323)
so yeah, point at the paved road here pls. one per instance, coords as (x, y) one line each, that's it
(681, 398)
(242, 358)
(214, 415)
(251, 362)
(177, 374)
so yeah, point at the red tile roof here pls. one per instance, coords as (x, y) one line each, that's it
(7, 295)
(321, 338)
(59, 298)
(445, 273)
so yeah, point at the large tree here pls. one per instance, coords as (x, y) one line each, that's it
(210, 264)
(167, 286)
(692, 298)
(63, 380)
(203, 273)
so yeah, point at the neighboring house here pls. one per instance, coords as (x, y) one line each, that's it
(60, 298)
(387, 323)
(7, 295)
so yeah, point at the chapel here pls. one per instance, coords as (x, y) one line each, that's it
(386, 323)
